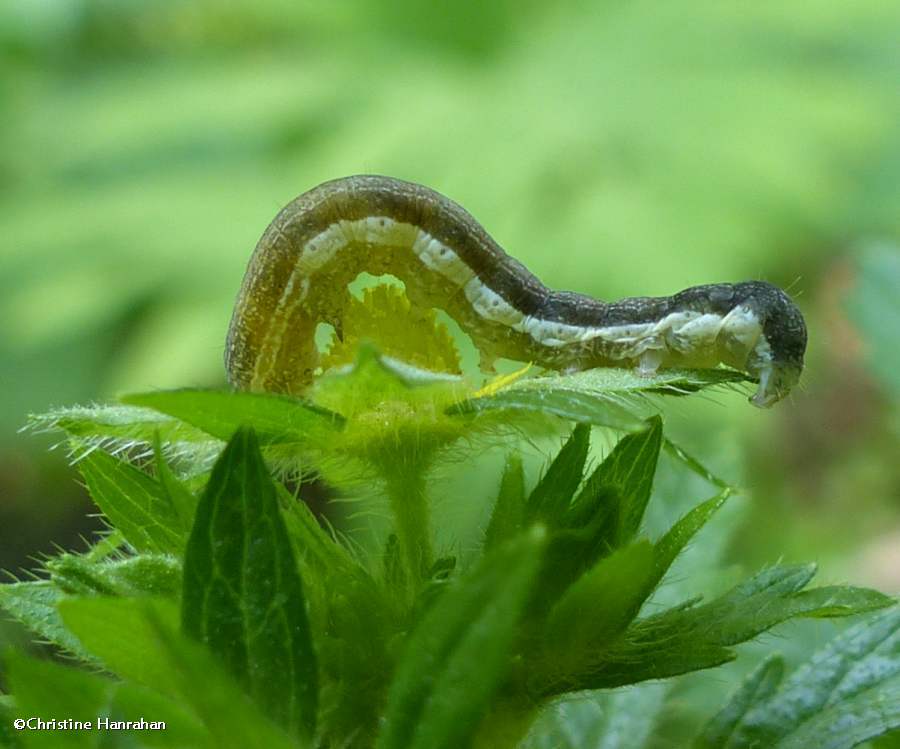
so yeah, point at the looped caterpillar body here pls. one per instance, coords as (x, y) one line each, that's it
(321, 241)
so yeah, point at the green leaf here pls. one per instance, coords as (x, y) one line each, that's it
(622, 719)
(677, 537)
(180, 497)
(276, 418)
(183, 727)
(573, 551)
(756, 688)
(100, 623)
(690, 637)
(627, 381)
(243, 595)
(851, 722)
(9, 737)
(599, 409)
(374, 380)
(460, 653)
(655, 660)
(550, 499)
(155, 654)
(51, 691)
(358, 633)
(48, 690)
(773, 596)
(134, 503)
(605, 396)
(508, 516)
(598, 607)
(847, 693)
(831, 601)
(106, 546)
(203, 685)
(629, 470)
(124, 425)
(34, 605)
(144, 574)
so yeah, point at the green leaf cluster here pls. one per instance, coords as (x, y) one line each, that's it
(220, 604)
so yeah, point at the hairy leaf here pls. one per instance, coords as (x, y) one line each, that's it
(621, 719)
(847, 693)
(34, 605)
(375, 380)
(144, 574)
(677, 537)
(226, 712)
(155, 654)
(628, 470)
(624, 381)
(691, 637)
(134, 503)
(99, 623)
(51, 691)
(593, 408)
(598, 607)
(756, 688)
(572, 551)
(242, 592)
(606, 396)
(180, 496)
(116, 423)
(550, 499)
(508, 517)
(276, 418)
(773, 596)
(460, 652)
(48, 690)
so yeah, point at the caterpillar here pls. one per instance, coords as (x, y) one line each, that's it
(321, 241)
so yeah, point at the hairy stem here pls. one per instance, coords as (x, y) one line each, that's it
(409, 505)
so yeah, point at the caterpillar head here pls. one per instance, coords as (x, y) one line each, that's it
(777, 358)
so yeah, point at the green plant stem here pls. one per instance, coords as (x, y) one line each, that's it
(409, 505)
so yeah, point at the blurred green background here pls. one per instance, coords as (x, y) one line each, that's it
(615, 148)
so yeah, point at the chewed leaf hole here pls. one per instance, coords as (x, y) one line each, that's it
(385, 317)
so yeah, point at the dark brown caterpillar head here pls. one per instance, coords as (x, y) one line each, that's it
(778, 358)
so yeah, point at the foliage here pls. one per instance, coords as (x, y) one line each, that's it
(221, 605)
(847, 693)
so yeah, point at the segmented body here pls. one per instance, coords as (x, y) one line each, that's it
(320, 242)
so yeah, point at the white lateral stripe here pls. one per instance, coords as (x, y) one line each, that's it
(689, 327)
(441, 259)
